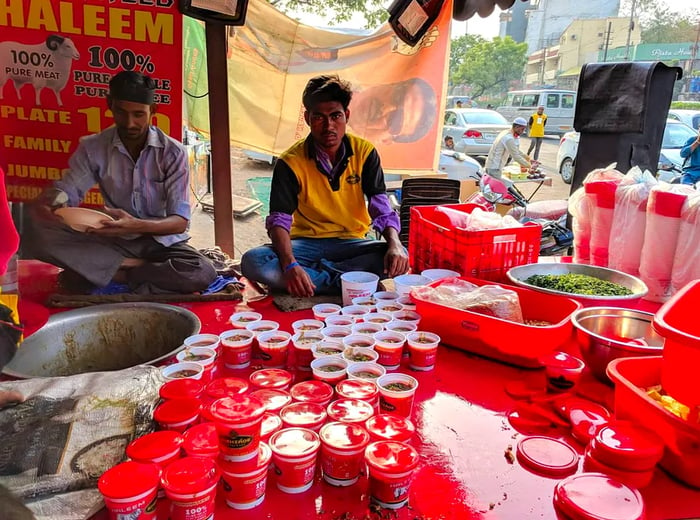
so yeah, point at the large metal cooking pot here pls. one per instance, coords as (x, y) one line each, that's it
(103, 337)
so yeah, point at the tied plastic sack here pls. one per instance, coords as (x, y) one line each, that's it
(661, 238)
(490, 300)
(602, 210)
(480, 220)
(686, 261)
(583, 206)
(629, 220)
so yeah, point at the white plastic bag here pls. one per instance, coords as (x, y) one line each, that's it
(661, 238)
(580, 209)
(629, 221)
(686, 262)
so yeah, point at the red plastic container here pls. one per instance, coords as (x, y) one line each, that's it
(594, 496)
(226, 387)
(350, 411)
(201, 441)
(177, 414)
(294, 452)
(434, 244)
(312, 392)
(244, 485)
(182, 389)
(627, 446)
(388, 427)
(546, 456)
(391, 466)
(682, 449)
(274, 400)
(271, 378)
(190, 484)
(160, 448)
(359, 389)
(500, 339)
(271, 424)
(129, 490)
(303, 415)
(342, 452)
(238, 423)
(676, 322)
(634, 479)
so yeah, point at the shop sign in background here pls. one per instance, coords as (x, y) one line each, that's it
(56, 60)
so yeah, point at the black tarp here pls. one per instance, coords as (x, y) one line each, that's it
(621, 113)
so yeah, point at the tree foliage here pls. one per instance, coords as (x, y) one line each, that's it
(489, 66)
(660, 24)
(338, 11)
(458, 50)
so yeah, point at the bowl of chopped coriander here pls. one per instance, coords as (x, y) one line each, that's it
(590, 285)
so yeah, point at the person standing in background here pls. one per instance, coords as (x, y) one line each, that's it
(535, 126)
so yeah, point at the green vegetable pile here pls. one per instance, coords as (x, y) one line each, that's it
(578, 284)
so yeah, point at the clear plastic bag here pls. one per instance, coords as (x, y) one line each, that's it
(629, 220)
(580, 209)
(686, 261)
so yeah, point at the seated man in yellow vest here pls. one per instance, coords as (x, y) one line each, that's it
(318, 216)
(536, 125)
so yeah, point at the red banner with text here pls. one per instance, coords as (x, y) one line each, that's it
(56, 60)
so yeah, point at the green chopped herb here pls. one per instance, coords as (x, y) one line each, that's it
(578, 284)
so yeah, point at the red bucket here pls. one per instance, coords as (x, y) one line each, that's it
(129, 490)
(201, 440)
(342, 452)
(391, 466)
(271, 378)
(303, 415)
(244, 484)
(386, 427)
(350, 411)
(312, 392)
(177, 414)
(359, 389)
(225, 387)
(190, 484)
(294, 452)
(160, 448)
(181, 389)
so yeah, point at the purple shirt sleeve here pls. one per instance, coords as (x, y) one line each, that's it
(383, 216)
(278, 219)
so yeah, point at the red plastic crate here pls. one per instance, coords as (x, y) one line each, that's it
(477, 254)
(681, 438)
(514, 343)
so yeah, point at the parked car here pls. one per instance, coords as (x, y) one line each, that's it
(676, 134)
(473, 129)
(689, 117)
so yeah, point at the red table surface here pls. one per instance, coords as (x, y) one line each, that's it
(463, 432)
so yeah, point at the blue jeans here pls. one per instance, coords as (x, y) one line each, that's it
(323, 259)
(690, 177)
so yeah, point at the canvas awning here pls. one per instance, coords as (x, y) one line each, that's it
(573, 71)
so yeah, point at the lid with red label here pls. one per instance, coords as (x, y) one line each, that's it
(129, 479)
(390, 427)
(294, 442)
(270, 424)
(271, 378)
(155, 447)
(547, 456)
(344, 436)
(594, 496)
(201, 440)
(305, 415)
(244, 467)
(190, 475)
(624, 445)
(181, 389)
(357, 389)
(226, 387)
(175, 411)
(350, 410)
(586, 419)
(391, 456)
(238, 409)
(312, 391)
(273, 400)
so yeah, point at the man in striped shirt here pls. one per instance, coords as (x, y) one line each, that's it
(143, 176)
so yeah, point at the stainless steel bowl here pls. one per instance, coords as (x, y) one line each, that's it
(519, 274)
(601, 334)
(103, 337)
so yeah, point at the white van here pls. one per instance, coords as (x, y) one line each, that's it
(559, 106)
